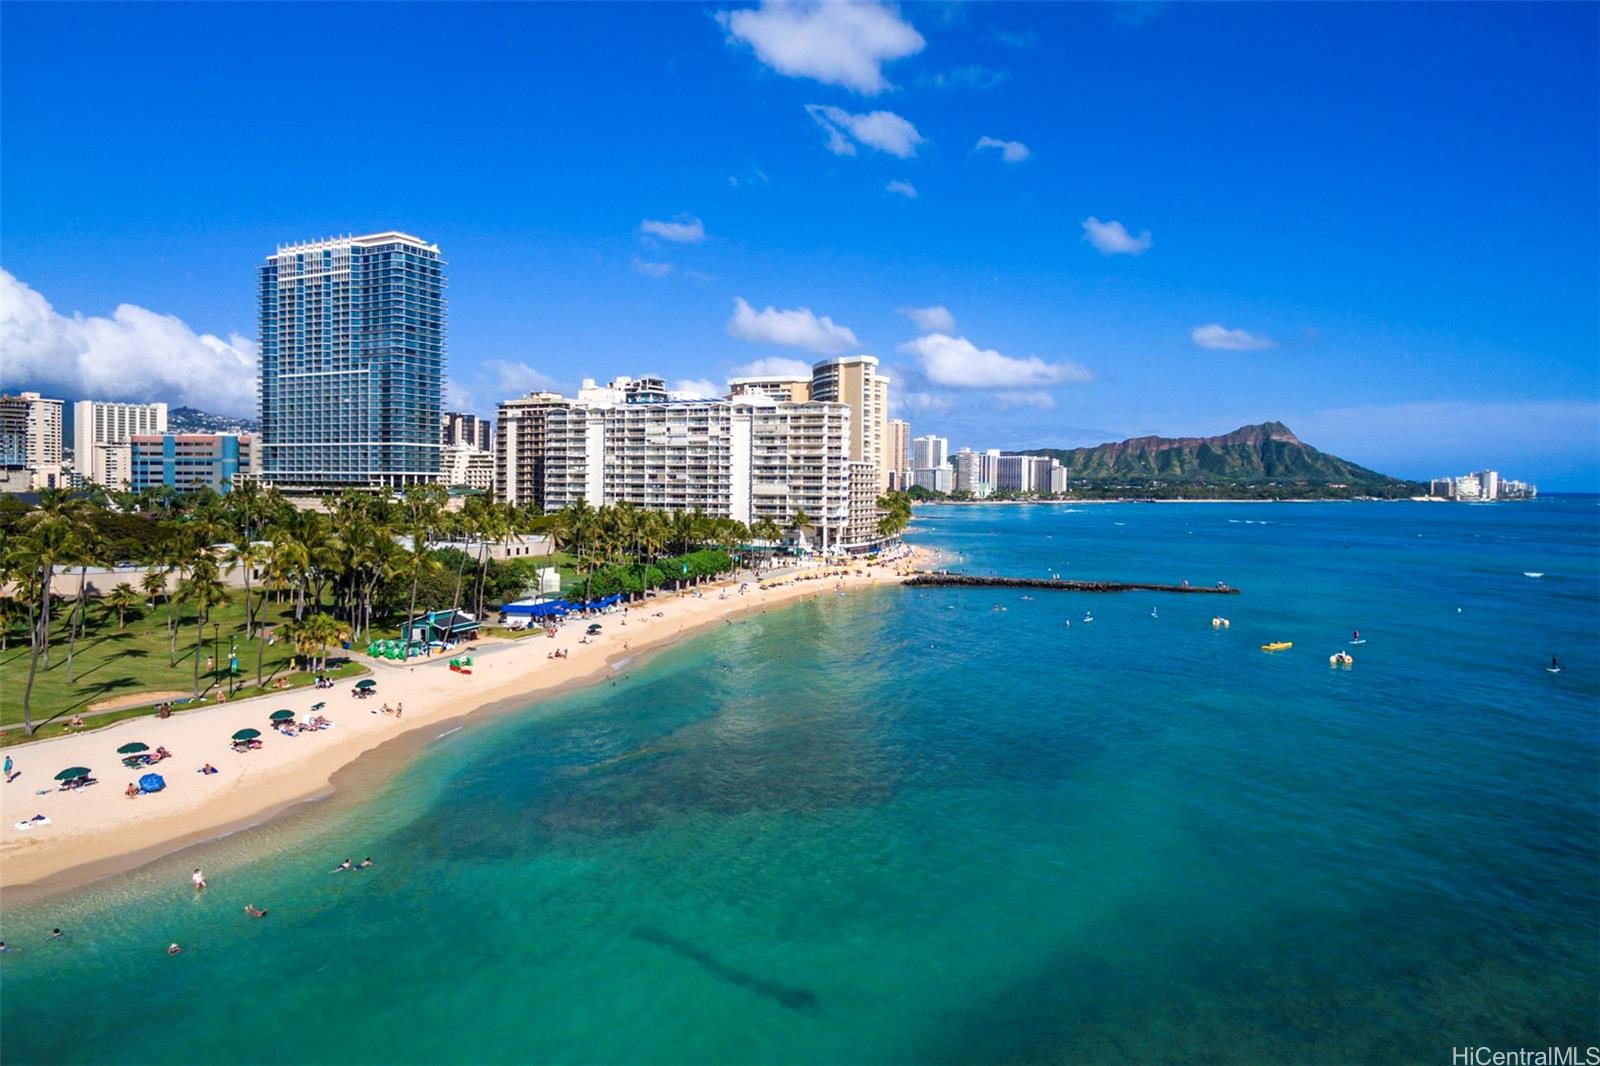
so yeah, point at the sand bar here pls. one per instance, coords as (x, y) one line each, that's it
(101, 831)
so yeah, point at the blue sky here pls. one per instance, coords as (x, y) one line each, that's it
(1376, 223)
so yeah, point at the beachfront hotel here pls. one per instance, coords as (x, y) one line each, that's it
(899, 443)
(856, 381)
(352, 363)
(750, 456)
(101, 431)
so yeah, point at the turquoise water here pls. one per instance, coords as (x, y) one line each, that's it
(904, 826)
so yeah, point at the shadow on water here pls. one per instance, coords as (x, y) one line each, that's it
(799, 999)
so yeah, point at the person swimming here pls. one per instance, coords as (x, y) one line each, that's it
(341, 868)
(198, 878)
(173, 949)
(253, 911)
(364, 863)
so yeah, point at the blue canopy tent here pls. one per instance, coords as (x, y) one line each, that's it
(152, 783)
(531, 609)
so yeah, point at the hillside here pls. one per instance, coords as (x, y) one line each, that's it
(192, 420)
(1262, 460)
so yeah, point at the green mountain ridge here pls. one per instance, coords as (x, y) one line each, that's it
(1268, 454)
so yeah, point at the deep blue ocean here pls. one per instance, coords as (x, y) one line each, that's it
(906, 826)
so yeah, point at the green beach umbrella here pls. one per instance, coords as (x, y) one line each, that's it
(132, 748)
(366, 683)
(281, 716)
(72, 773)
(247, 734)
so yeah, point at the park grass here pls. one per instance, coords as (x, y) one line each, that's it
(111, 663)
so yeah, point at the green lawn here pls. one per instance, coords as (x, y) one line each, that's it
(113, 664)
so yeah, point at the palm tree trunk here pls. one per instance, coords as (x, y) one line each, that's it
(261, 647)
(40, 641)
(199, 639)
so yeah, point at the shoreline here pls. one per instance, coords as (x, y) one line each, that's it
(100, 833)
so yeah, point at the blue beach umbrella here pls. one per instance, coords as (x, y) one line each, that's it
(152, 783)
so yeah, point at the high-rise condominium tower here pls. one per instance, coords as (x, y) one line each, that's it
(352, 363)
(856, 381)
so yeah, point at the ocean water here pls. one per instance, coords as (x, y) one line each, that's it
(905, 826)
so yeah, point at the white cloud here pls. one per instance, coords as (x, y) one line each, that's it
(836, 43)
(1113, 238)
(1042, 400)
(936, 319)
(919, 402)
(793, 328)
(654, 270)
(1010, 151)
(1229, 340)
(902, 188)
(457, 397)
(972, 76)
(685, 229)
(883, 130)
(774, 366)
(958, 363)
(136, 354)
(518, 379)
(696, 389)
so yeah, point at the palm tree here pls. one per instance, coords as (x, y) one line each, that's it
(768, 532)
(313, 636)
(90, 547)
(50, 534)
(247, 557)
(121, 599)
(800, 522)
(203, 590)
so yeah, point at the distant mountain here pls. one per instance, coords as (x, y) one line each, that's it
(1263, 460)
(192, 420)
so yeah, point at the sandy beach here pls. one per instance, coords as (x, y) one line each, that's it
(99, 831)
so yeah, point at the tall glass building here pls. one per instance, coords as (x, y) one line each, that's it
(352, 363)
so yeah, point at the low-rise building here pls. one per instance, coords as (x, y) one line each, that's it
(189, 461)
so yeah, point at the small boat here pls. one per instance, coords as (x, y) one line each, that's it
(1278, 645)
(1341, 658)
(1533, 573)
(1219, 622)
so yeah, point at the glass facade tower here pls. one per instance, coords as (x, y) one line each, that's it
(352, 363)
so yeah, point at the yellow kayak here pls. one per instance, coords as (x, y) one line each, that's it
(1278, 645)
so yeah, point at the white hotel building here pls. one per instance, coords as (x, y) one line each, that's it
(748, 457)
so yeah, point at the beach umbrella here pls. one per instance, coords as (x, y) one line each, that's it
(72, 773)
(366, 683)
(152, 783)
(247, 734)
(132, 748)
(282, 716)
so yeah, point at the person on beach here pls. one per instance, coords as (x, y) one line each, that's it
(399, 709)
(131, 791)
(198, 878)
(10, 774)
(341, 868)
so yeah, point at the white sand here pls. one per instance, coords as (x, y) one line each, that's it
(101, 830)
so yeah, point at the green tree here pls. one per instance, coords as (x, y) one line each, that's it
(123, 599)
(49, 539)
(202, 590)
